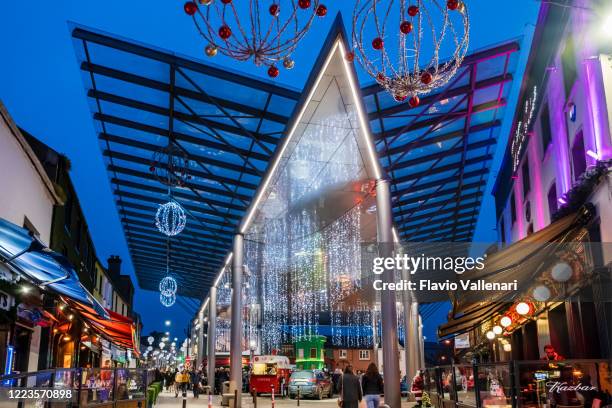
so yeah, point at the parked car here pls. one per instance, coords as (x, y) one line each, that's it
(311, 383)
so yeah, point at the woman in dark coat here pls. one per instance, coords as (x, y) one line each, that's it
(372, 386)
(350, 389)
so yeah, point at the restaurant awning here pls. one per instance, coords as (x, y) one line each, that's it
(118, 329)
(524, 261)
(26, 256)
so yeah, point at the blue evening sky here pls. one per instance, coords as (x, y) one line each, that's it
(40, 84)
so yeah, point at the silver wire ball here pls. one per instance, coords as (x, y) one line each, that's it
(167, 300)
(402, 44)
(168, 286)
(170, 218)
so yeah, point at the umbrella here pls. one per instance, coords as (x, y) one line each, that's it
(29, 257)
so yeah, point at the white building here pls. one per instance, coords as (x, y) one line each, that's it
(27, 198)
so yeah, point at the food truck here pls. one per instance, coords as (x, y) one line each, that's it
(269, 371)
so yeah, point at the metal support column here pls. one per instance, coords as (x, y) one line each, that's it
(212, 335)
(421, 343)
(200, 355)
(387, 298)
(236, 325)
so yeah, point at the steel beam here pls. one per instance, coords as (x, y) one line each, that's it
(236, 324)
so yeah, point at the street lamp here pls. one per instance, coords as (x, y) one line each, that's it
(167, 322)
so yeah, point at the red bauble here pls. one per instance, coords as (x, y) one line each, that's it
(349, 56)
(152, 169)
(452, 4)
(190, 8)
(426, 78)
(378, 43)
(304, 4)
(414, 101)
(413, 11)
(406, 27)
(226, 1)
(273, 71)
(381, 78)
(400, 98)
(275, 10)
(321, 10)
(225, 32)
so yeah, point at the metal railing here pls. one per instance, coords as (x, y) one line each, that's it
(520, 384)
(87, 387)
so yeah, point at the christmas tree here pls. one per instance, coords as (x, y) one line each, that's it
(425, 401)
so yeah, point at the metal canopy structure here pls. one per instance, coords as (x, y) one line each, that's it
(225, 123)
(228, 124)
(438, 155)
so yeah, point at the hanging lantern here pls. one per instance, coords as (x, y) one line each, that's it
(167, 300)
(561, 272)
(170, 218)
(541, 293)
(168, 286)
(490, 335)
(410, 57)
(498, 330)
(267, 33)
(523, 308)
(505, 321)
(507, 347)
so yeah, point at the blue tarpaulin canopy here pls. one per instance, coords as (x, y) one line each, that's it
(27, 256)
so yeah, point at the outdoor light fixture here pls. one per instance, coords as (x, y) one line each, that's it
(25, 289)
(167, 323)
(592, 154)
(490, 335)
(561, 272)
(507, 347)
(497, 330)
(67, 338)
(505, 321)
(70, 317)
(522, 308)
(541, 293)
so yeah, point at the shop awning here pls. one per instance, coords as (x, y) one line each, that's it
(118, 329)
(524, 261)
(25, 255)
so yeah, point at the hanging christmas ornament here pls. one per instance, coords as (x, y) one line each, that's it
(170, 218)
(211, 50)
(410, 40)
(170, 164)
(167, 300)
(168, 286)
(267, 32)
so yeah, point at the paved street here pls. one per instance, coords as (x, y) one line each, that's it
(167, 400)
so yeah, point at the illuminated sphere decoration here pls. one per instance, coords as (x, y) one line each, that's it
(541, 293)
(505, 321)
(490, 335)
(167, 300)
(522, 308)
(168, 286)
(170, 218)
(150, 339)
(497, 330)
(561, 272)
(265, 32)
(418, 45)
(507, 347)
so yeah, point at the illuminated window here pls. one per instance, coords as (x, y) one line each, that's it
(343, 354)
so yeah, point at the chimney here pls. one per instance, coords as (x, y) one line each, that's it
(114, 267)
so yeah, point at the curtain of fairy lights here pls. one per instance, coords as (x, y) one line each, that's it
(224, 299)
(250, 296)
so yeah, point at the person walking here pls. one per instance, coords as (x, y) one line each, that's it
(350, 389)
(372, 385)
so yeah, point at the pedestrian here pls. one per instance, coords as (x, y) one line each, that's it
(350, 389)
(418, 385)
(195, 383)
(372, 385)
(336, 379)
